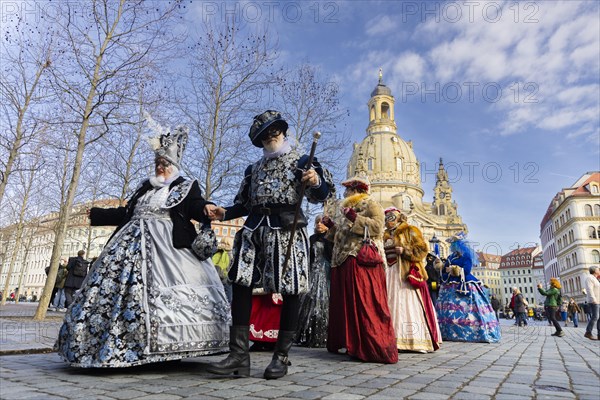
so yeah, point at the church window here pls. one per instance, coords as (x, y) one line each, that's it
(370, 164)
(588, 210)
(442, 210)
(406, 203)
(595, 256)
(398, 164)
(372, 113)
(385, 111)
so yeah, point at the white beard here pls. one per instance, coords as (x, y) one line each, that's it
(162, 180)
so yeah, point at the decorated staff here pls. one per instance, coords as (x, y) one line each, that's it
(288, 252)
(270, 195)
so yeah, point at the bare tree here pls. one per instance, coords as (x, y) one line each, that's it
(228, 73)
(311, 103)
(26, 52)
(102, 56)
(27, 179)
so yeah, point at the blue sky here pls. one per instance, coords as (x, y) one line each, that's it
(528, 105)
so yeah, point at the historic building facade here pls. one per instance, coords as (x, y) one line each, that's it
(516, 269)
(571, 225)
(488, 272)
(392, 167)
(33, 256)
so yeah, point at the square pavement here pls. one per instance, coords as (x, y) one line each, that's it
(527, 363)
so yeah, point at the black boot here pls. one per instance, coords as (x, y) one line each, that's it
(279, 364)
(238, 360)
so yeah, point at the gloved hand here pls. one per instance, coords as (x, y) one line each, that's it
(328, 222)
(349, 213)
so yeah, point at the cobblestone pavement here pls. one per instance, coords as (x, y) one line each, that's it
(528, 363)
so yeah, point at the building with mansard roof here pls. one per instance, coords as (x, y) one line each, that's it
(570, 232)
(516, 269)
(390, 163)
(488, 272)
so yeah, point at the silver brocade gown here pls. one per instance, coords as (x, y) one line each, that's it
(144, 301)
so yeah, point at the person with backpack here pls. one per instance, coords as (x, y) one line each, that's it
(553, 300)
(77, 268)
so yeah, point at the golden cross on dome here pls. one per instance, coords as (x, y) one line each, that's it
(380, 74)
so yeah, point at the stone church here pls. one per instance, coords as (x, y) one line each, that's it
(395, 174)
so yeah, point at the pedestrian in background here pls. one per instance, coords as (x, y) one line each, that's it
(592, 287)
(564, 305)
(221, 261)
(495, 305)
(77, 269)
(520, 308)
(551, 304)
(573, 311)
(61, 277)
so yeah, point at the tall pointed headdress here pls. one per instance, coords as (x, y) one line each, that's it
(166, 144)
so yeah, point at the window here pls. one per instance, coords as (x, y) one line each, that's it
(588, 210)
(398, 164)
(370, 164)
(596, 209)
(216, 231)
(232, 232)
(385, 111)
(595, 256)
(594, 189)
(225, 231)
(592, 232)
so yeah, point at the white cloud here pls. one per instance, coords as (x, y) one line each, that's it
(381, 25)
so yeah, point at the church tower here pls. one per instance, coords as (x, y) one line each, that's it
(392, 167)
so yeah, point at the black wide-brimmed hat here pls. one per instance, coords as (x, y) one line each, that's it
(262, 122)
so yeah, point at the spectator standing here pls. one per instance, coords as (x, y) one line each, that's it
(77, 269)
(495, 305)
(564, 305)
(59, 285)
(551, 304)
(573, 311)
(592, 287)
(520, 308)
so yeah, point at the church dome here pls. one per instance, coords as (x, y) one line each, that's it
(381, 89)
(385, 157)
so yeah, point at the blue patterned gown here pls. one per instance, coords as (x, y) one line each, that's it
(464, 311)
(143, 300)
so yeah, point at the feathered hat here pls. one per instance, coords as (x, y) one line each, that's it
(166, 144)
(456, 237)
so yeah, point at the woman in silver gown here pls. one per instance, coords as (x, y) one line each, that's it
(148, 298)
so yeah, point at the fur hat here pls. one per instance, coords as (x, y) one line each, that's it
(262, 122)
(358, 182)
(554, 282)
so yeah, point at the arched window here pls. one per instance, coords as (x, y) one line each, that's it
(370, 164)
(595, 256)
(588, 210)
(442, 210)
(398, 164)
(596, 209)
(372, 113)
(592, 232)
(385, 111)
(594, 188)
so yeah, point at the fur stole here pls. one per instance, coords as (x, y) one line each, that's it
(353, 200)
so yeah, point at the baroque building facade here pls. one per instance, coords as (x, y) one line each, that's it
(571, 230)
(488, 272)
(517, 270)
(394, 171)
(27, 273)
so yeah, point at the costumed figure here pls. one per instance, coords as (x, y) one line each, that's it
(148, 298)
(465, 313)
(265, 318)
(314, 309)
(433, 276)
(270, 195)
(359, 317)
(411, 308)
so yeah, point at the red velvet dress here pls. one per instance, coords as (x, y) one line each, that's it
(265, 317)
(416, 280)
(359, 317)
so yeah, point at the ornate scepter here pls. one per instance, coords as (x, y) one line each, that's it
(288, 252)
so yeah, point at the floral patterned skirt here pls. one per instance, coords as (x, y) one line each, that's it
(466, 317)
(144, 301)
